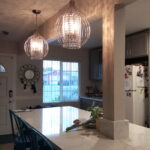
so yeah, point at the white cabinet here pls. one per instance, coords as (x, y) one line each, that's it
(137, 44)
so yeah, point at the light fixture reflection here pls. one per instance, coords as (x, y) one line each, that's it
(51, 121)
(56, 120)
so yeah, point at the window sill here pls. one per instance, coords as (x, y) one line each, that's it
(69, 103)
(75, 101)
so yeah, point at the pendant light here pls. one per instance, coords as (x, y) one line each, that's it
(72, 28)
(36, 47)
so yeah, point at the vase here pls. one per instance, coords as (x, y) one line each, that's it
(98, 124)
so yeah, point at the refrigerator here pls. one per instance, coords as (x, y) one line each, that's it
(136, 96)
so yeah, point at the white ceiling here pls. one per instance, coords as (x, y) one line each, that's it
(96, 35)
(138, 16)
(16, 16)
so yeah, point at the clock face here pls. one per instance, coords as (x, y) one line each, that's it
(29, 74)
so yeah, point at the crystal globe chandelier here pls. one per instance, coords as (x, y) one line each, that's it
(36, 47)
(72, 28)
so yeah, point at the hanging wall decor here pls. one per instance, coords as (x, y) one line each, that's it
(72, 27)
(29, 76)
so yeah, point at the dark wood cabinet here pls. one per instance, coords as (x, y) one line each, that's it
(88, 102)
(95, 64)
(137, 44)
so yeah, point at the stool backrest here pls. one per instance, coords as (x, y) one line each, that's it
(22, 130)
(37, 140)
(40, 142)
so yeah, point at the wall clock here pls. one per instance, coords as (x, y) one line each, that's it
(29, 76)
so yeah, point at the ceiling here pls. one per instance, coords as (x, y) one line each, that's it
(16, 18)
(96, 35)
(137, 18)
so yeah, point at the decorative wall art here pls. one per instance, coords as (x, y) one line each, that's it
(29, 76)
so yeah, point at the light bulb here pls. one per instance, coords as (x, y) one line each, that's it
(36, 47)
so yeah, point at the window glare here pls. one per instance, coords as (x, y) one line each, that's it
(70, 66)
(49, 65)
(60, 81)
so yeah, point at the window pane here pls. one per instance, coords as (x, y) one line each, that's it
(2, 69)
(60, 81)
(51, 79)
(70, 81)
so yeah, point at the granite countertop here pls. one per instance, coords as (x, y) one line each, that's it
(52, 122)
(92, 98)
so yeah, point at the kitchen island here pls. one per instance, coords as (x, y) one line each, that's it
(52, 122)
(86, 102)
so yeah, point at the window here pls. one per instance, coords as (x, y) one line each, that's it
(60, 81)
(2, 69)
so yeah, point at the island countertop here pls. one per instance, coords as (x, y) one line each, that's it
(52, 122)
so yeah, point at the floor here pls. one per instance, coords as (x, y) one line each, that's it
(6, 142)
(6, 139)
(8, 146)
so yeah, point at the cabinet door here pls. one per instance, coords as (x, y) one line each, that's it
(128, 47)
(95, 64)
(137, 45)
(85, 103)
(140, 44)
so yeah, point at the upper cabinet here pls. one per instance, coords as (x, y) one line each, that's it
(137, 44)
(96, 64)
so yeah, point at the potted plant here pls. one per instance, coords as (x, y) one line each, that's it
(96, 114)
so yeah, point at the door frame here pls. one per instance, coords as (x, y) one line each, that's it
(14, 74)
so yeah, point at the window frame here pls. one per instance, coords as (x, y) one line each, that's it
(61, 76)
(1, 65)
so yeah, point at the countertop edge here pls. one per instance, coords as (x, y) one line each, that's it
(91, 98)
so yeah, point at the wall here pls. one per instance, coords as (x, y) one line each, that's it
(91, 9)
(113, 62)
(27, 98)
(8, 47)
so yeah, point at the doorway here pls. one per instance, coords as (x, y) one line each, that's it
(7, 90)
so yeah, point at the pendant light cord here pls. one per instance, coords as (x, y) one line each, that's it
(36, 23)
(36, 12)
(72, 3)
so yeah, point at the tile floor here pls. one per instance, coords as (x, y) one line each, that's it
(8, 146)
